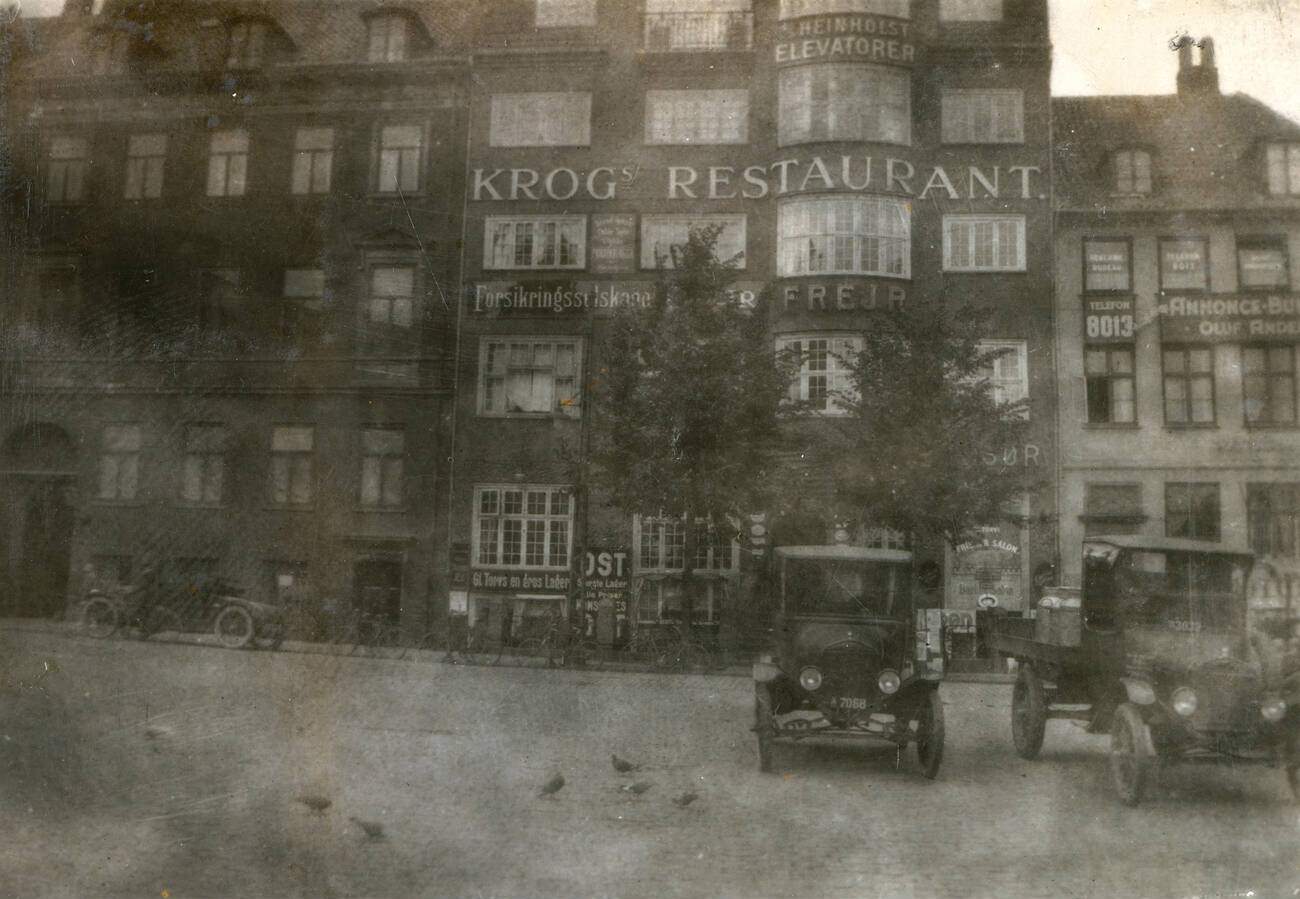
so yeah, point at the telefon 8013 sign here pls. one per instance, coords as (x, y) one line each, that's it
(1108, 319)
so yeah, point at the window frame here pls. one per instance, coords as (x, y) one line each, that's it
(224, 159)
(1118, 164)
(246, 45)
(1188, 376)
(797, 9)
(974, 219)
(586, 13)
(1276, 242)
(1160, 263)
(206, 458)
(558, 410)
(390, 301)
(825, 131)
(514, 221)
(971, 95)
(1270, 376)
(384, 501)
(976, 18)
(394, 24)
(501, 516)
(1273, 518)
(133, 455)
(1131, 520)
(291, 457)
(1290, 170)
(724, 97)
(1192, 511)
(838, 374)
(304, 165)
(1127, 241)
(1109, 377)
(61, 166)
(694, 222)
(421, 162)
(146, 171)
(786, 252)
(500, 119)
(1020, 348)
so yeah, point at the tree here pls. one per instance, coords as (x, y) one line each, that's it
(921, 422)
(686, 412)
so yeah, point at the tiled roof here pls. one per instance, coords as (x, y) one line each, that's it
(1207, 151)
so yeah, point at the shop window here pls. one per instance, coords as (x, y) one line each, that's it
(67, 165)
(1262, 263)
(697, 117)
(1109, 383)
(844, 102)
(1192, 510)
(663, 236)
(119, 462)
(228, 164)
(825, 379)
(541, 120)
(970, 10)
(1283, 169)
(392, 295)
(401, 150)
(983, 116)
(523, 527)
(984, 243)
(383, 454)
(566, 13)
(529, 376)
(1184, 264)
(1132, 169)
(386, 38)
(556, 242)
(246, 47)
(1113, 509)
(1107, 265)
(146, 155)
(845, 235)
(794, 9)
(313, 160)
(291, 465)
(1273, 512)
(659, 601)
(1189, 385)
(1269, 380)
(204, 473)
(687, 25)
(1008, 372)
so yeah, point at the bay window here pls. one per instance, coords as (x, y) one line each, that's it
(845, 235)
(844, 101)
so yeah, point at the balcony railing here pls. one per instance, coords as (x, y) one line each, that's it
(667, 32)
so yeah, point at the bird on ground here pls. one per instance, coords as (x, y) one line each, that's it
(685, 799)
(623, 766)
(552, 786)
(373, 830)
(317, 804)
(636, 788)
(153, 732)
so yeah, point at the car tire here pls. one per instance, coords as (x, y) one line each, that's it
(233, 627)
(1132, 754)
(763, 726)
(1028, 713)
(929, 734)
(99, 618)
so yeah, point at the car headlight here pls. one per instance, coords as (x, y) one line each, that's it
(1184, 701)
(1273, 710)
(810, 679)
(889, 682)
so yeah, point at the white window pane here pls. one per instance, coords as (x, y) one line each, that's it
(237, 169)
(540, 119)
(290, 439)
(389, 160)
(217, 176)
(370, 480)
(399, 136)
(122, 438)
(192, 491)
(396, 281)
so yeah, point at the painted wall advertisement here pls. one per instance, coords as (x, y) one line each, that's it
(986, 570)
(606, 582)
(1230, 318)
(1108, 319)
(613, 244)
(516, 298)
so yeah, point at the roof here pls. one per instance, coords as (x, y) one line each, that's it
(844, 553)
(1206, 151)
(1167, 544)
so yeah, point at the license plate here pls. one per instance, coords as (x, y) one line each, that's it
(858, 703)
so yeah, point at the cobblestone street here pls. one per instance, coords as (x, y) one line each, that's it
(133, 769)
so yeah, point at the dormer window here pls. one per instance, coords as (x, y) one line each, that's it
(1284, 169)
(247, 46)
(387, 38)
(1132, 172)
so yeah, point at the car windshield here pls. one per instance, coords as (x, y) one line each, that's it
(845, 587)
(1183, 591)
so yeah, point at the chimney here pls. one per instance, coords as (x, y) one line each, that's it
(78, 8)
(1195, 79)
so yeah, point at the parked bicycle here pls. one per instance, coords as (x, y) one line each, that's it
(563, 643)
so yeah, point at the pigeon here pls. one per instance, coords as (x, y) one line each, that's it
(552, 786)
(373, 830)
(153, 732)
(317, 804)
(685, 799)
(636, 788)
(623, 766)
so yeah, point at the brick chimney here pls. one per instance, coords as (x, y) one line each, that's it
(1193, 78)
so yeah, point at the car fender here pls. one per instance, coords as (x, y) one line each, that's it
(766, 672)
(1139, 690)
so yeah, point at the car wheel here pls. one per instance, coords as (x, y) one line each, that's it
(1132, 753)
(1028, 713)
(234, 627)
(99, 618)
(929, 734)
(763, 726)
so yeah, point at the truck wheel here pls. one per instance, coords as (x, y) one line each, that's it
(1132, 753)
(1028, 713)
(929, 734)
(233, 627)
(99, 618)
(763, 726)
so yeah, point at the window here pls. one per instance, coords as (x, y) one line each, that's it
(383, 452)
(984, 243)
(529, 376)
(698, 25)
(794, 9)
(535, 243)
(1262, 263)
(970, 10)
(697, 117)
(1283, 169)
(313, 160)
(205, 464)
(844, 102)
(300, 322)
(1189, 385)
(1273, 513)
(400, 149)
(983, 116)
(660, 549)
(662, 235)
(1184, 264)
(541, 120)
(68, 161)
(247, 45)
(291, 477)
(566, 13)
(1107, 266)
(824, 374)
(1269, 381)
(1132, 172)
(845, 235)
(228, 164)
(304, 283)
(1108, 373)
(386, 39)
(220, 292)
(523, 527)
(119, 462)
(392, 295)
(1192, 510)
(1008, 372)
(1113, 509)
(145, 156)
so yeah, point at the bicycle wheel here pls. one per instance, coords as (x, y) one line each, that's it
(586, 653)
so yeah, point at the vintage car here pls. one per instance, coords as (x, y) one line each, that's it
(851, 658)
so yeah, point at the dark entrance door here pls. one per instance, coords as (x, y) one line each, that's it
(42, 581)
(378, 588)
